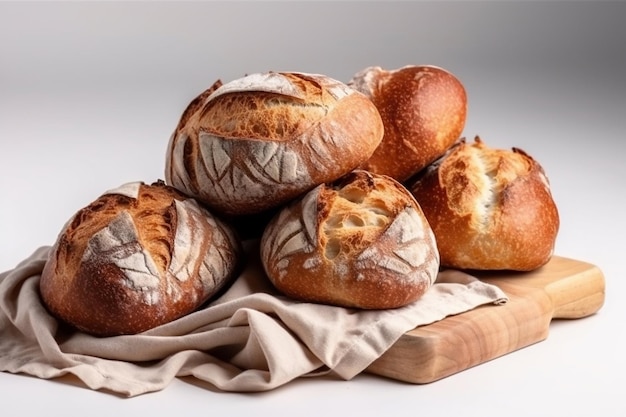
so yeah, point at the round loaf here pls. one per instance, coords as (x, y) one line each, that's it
(137, 257)
(359, 242)
(255, 143)
(423, 109)
(490, 209)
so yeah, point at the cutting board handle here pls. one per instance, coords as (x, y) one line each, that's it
(576, 288)
(562, 289)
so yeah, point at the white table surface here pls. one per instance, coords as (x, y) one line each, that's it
(89, 94)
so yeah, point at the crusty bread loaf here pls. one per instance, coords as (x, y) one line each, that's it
(137, 257)
(255, 143)
(490, 209)
(361, 242)
(423, 109)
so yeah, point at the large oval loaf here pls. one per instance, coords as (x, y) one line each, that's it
(137, 257)
(259, 141)
(361, 242)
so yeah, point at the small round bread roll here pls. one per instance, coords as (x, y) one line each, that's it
(255, 143)
(423, 109)
(490, 209)
(137, 257)
(359, 242)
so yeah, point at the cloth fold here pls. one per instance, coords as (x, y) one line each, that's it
(251, 338)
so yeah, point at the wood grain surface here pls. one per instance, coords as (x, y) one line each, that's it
(563, 289)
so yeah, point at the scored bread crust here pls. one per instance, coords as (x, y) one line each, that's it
(490, 209)
(423, 108)
(360, 242)
(138, 256)
(254, 143)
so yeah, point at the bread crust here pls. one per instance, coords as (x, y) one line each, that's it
(359, 242)
(137, 257)
(259, 141)
(490, 209)
(423, 108)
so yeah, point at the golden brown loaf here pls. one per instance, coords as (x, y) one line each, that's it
(361, 242)
(490, 209)
(255, 143)
(423, 109)
(137, 257)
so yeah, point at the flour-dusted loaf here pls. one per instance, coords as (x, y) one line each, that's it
(255, 143)
(490, 209)
(138, 256)
(423, 108)
(360, 242)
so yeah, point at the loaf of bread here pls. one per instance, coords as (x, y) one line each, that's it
(361, 242)
(255, 143)
(490, 209)
(137, 257)
(423, 109)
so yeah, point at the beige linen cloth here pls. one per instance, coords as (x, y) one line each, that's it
(249, 339)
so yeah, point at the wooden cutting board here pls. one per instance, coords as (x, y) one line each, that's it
(562, 289)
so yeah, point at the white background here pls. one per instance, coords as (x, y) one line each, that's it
(89, 94)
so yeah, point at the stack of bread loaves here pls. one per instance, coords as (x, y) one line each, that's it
(362, 188)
